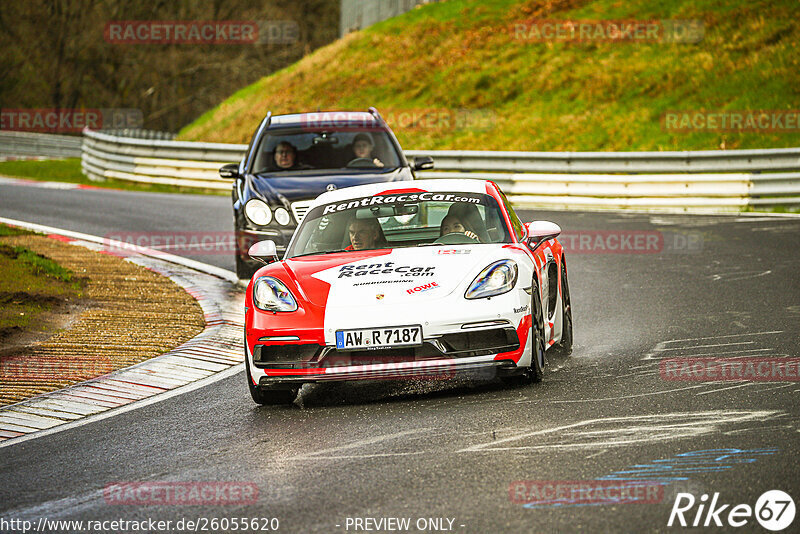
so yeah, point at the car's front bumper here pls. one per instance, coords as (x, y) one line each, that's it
(425, 369)
(441, 357)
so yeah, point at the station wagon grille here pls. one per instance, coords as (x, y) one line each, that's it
(300, 209)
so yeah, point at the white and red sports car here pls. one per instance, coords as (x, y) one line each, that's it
(417, 279)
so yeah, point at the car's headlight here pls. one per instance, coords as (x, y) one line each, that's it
(498, 278)
(282, 216)
(258, 212)
(269, 294)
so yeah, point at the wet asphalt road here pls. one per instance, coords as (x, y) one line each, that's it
(718, 286)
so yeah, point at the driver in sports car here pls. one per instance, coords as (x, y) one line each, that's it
(365, 234)
(452, 224)
(362, 149)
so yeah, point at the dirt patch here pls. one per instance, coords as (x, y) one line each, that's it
(129, 314)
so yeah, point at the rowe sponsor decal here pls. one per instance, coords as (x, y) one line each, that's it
(348, 271)
(393, 199)
(420, 289)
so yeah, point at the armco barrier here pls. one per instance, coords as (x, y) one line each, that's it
(32, 145)
(719, 180)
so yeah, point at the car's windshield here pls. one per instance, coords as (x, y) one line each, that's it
(400, 220)
(288, 150)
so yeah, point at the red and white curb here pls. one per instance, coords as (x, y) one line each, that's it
(7, 180)
(212, 355)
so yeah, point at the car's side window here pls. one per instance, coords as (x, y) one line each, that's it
(516, 224)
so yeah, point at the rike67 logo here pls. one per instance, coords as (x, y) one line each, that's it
(774, 511)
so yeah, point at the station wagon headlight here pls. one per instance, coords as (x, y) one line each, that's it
(282, 216)
(258, 212)
(270, 294)
(496, 279)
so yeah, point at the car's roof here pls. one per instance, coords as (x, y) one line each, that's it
(332, 119)
(445, 185)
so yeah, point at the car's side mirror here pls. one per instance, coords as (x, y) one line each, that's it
(264, 251)
(231, 170)
(537, 232)
(423, 163)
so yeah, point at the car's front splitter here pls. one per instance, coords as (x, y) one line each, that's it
(425, 369)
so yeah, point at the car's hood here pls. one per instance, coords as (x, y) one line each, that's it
(309, 184)
(406, 275)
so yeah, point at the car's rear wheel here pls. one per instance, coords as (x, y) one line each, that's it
(269, 396)
(564, 347)
(533, 373)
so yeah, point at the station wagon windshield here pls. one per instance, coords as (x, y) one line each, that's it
(359, 149)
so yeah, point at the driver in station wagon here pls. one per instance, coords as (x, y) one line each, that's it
(362, 148)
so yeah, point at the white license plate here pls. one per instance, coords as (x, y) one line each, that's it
(379, 338)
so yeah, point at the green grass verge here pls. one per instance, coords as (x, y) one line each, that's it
(458, 75)
(69, 170)
(30, 285)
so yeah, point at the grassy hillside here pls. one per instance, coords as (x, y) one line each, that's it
(457, 75)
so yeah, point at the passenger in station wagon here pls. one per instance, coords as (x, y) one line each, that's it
(286, 157)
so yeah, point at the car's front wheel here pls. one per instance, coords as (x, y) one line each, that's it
(269, 396)
(534, 372)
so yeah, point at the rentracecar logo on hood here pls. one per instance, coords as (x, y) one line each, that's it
(389, 267)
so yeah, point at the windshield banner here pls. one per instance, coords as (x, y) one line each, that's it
(403, 198)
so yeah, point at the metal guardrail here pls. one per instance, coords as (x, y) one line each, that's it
(28, 145)
(157, 161)
(719, 180)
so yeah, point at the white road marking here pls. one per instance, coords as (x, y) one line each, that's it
(740, 385)
(643, 366)
(709, 346)
(704, 384)
(630, 430)
(736, 276)
(596, 454)
(725, 336)
(713, 354)
(360, 443)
